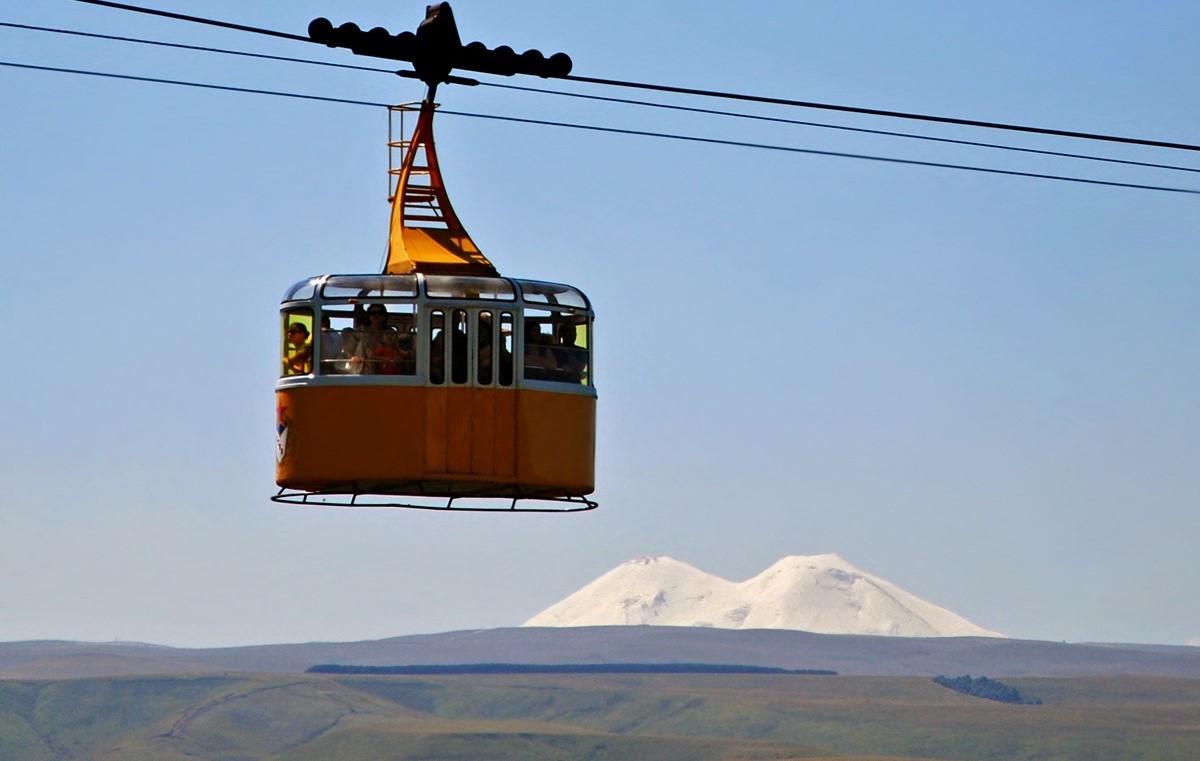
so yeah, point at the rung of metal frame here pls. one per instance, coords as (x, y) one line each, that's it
(517, 504)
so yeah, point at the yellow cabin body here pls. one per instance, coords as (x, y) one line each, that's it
(441, 442)
(436, 386)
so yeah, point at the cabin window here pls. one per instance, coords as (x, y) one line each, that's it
(494, 358)
(557, 347)
(302, 291)
(552, 293)
(368, 339)
(369, 286)
(487, 341)
(457, 287)
(449, 342)
(505, 340)
(437, 347)
(297, 344)
(459, 347)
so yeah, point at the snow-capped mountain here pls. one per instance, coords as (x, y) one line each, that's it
(817, 593)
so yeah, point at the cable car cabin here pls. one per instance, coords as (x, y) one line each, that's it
(443, 386)
(437, 379)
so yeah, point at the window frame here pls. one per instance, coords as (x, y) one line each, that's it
(423, 308)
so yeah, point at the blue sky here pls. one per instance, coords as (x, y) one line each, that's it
(981, 388)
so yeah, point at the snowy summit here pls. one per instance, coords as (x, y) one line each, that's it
(817, 593)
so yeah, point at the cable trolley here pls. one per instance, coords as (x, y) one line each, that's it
(437, 384)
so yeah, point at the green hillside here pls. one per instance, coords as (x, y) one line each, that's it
(556, 716)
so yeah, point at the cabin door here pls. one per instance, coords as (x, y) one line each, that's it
(471, 407)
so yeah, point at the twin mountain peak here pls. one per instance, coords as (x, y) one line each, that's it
(815, 593)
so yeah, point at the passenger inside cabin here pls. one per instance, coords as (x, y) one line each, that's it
(331, 347)
(350, 361)
(386, 358)
(370, 336)
(407, 364)
(570, 358)
(540, 363)
(299, 359)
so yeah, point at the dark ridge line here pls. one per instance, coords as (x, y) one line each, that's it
(563, 668)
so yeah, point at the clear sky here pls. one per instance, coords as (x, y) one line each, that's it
(981, 388)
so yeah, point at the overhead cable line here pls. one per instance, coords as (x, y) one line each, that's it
(197, 19)
(201, 48)
(622, 101)
(814, 152)
(889, 114)
(726, 95)
(618, 130)
(844, 128)
(184, 83)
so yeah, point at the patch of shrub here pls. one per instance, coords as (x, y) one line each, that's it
(982, 687)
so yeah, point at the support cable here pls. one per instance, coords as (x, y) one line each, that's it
(889, 114)
(197, 19)
(720, 94)
(201, 48)
(844, 128)
(617, 130)
(814, 152)
(184, 83)
(621, 101)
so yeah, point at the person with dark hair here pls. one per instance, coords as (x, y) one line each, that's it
(570, 357)
(299, 358)
(539, 358)
(370, 336)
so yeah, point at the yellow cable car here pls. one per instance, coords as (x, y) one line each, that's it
(437, 380)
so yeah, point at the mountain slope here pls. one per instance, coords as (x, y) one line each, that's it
(818, 593)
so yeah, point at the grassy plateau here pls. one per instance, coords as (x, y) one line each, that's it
(689, 717)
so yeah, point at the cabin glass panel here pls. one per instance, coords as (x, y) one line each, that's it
(302, 291)
(552, 293)
(557, 347)
(506, 339)
(368, 339)
(459, 337)
(297, 349)
(486, 341)
(437, 347)
(451, 287)
(369, 286)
